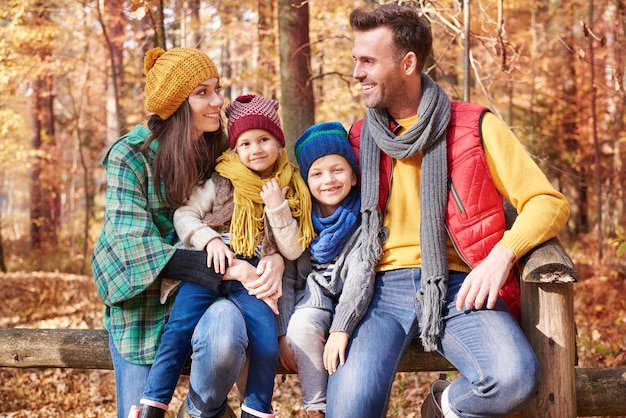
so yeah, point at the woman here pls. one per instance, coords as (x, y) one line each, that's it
(150, 172)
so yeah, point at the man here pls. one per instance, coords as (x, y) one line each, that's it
(434, 176)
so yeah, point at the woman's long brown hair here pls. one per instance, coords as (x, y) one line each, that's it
(182, 160)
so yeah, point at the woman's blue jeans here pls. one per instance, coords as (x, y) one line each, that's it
(219, 351)
(499, 370)
(191, 301)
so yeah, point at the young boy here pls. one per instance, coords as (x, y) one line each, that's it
(228, 216)
(337, 287)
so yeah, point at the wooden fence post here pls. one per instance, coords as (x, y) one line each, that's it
(548, 322)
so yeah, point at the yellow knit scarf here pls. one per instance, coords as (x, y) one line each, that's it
(247, 224)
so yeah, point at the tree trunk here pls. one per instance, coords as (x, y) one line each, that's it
(295, 69)
(45, 199)
(267, 41)
(596, 139)
(112, 23)
(196, 33)
(3, 266)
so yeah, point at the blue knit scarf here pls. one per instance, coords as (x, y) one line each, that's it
(333, 231)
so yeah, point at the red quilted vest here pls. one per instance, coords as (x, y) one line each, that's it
(475, 216)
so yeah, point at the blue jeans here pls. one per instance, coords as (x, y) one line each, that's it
(219, 351)
(499, 370)
(191, 301)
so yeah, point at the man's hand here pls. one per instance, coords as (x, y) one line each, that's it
(335, 351)
(485, 281)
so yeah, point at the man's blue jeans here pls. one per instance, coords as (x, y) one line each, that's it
(219, 345)
(499, 370)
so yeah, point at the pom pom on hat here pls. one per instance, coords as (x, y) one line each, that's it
(323, 139)
(253, 112)
(171, 77)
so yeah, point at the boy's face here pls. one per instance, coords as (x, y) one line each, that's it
(258, 150)
(330, 180)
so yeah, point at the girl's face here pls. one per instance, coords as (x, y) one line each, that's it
(206, 102)
(330, 179)
(258, 150)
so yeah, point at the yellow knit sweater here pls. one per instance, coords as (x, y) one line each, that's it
(542, 209)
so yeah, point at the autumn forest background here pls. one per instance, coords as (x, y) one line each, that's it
(71, 82)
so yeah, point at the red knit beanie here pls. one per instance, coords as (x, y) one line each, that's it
(253, 112)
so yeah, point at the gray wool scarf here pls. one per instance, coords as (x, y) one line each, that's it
(428, 136)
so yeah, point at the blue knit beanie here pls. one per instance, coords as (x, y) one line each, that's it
(323, 139)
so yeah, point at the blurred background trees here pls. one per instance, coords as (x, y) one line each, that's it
(71, 82)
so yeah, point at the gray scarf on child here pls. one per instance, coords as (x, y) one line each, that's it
(428, 136)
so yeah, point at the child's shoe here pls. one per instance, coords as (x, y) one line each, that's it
(247, 412)
(149, 409)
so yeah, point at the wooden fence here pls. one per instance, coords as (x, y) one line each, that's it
(547, 275)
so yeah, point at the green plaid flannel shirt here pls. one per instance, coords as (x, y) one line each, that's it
(136, 242)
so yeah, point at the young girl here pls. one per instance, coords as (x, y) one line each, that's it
(254, 185)
(150, 171)
(337, 288)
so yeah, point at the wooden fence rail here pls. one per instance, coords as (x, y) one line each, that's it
(598, 391)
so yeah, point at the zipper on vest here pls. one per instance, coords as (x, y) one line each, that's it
(458, 249)
(455, 196)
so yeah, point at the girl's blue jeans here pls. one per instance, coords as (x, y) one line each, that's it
(499, 370)
(191, 302)
(219, 344)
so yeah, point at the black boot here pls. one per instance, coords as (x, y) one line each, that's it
(431, 408)
(148, 411)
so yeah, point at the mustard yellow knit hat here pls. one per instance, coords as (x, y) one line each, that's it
(171, 77)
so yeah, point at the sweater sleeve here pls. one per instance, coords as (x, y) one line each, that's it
(137, 238)
(542, 210)
(190, 266)
(358, 287)
(188, 219)
(286, 233)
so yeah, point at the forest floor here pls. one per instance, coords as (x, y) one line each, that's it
(54, 300)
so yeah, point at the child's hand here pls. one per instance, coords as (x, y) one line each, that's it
(285, 354)
(272, 194)
(217, 254)
(335, 350)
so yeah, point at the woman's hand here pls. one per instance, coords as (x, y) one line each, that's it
(264, 282)
(272, 302)
(270, 278)
(217, 254)
(285, 354)
(335, 351)
(273, 196)
(241, 271)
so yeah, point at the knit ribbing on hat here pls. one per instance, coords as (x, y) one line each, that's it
(323, 139)
(253, 112)
(171, 77)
